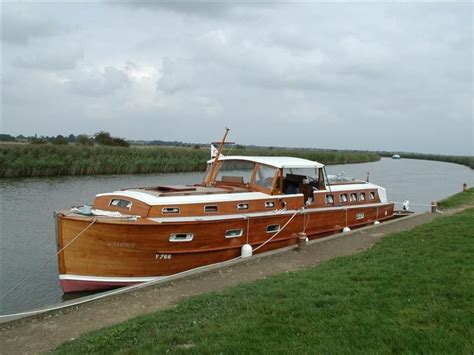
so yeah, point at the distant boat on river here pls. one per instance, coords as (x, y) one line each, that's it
(396, 156)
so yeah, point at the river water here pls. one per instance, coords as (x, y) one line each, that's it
(27, 234)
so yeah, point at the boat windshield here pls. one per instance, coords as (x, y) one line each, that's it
(310, 173)
(239, 171)
(265, 175)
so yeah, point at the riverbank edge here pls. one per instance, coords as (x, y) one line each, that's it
(55, 327)
(460, 160)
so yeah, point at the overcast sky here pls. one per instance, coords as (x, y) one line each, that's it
(377, 76)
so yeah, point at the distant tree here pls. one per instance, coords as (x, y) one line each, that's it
(60, 140)
(6, 138)
(104, 138)
(119, 142)
(240, 146)
(71, 138)
(84, 139)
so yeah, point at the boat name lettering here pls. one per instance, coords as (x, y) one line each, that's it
(120, 245)
(160, 256)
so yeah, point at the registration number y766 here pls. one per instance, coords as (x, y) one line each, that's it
(160, 256)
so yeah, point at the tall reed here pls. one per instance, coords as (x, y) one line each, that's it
(18, 160)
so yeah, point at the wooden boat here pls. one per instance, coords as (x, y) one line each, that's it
(263, 203)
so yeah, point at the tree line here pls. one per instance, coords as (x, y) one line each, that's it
(99, 138)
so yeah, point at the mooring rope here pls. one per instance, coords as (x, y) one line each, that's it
(280, 230)
(27, 277)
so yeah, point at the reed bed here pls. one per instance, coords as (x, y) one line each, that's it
(17, 160)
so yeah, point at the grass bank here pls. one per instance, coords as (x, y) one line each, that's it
(410, 293)
(26, 160)
(460, 199)
(463, 160)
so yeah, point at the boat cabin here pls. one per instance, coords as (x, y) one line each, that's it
(270, 175)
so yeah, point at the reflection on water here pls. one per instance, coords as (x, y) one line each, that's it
(27, 205)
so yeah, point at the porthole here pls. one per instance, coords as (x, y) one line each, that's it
(181, 237)
(273, 228)
(269, 204)
(372, 195)
(211, 208)
(353, 197)
(234, 233)
(329, 198)
(362, 196)
(116, 202)
(243, 206)
(166, 210)
(343, 198)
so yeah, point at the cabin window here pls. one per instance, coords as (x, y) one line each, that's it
(166, 210)
(372, 195)
(329, 198)
(353, 197)
(343, 198)
(362, 196)
(210, 209)
(273, 228)
(243, 206)
(264, 176)
(235, 171)
(269, 204)
(121, 203)
(234, 233)
(181, 237)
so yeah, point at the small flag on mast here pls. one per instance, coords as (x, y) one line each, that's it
(214, 151)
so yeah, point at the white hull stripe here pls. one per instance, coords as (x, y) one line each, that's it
(272, 213)
(107, 279)
(184, 200)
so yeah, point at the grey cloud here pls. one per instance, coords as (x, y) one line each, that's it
(177, 75)
(199, 8)
(49, 58)
(99, 84)
(22, 22)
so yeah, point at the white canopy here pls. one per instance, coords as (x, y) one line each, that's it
(277, 162)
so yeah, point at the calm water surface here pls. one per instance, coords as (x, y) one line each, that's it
(27, 227)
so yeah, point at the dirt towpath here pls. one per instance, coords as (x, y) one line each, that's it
(45, 332)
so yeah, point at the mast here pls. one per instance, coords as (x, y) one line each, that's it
(210, 177)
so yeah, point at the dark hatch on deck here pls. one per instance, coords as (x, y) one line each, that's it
(174, 188)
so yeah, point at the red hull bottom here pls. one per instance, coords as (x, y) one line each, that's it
(81, 286)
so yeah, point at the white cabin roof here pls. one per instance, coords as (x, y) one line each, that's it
(277, 162)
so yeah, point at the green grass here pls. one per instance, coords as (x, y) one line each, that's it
(462, 198)
(411, 293)
(463, 160)
(27, 160)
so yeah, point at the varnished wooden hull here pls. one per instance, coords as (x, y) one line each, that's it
(113, 253)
